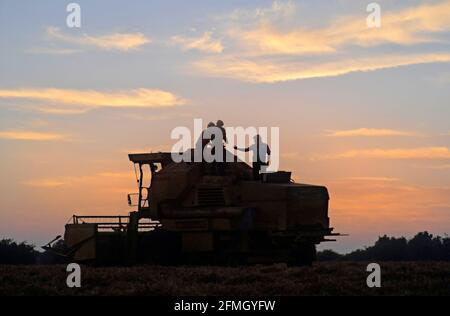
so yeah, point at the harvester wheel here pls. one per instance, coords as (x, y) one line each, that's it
(304, 254)
(236, 259)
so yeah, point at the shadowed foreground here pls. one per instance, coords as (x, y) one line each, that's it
(324, 278)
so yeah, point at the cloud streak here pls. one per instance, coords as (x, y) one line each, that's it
(396, 153)
(270, 49)
(368, 179)
(44, 183)
(370, 132)
(267, 71)
(204, 43)
(31, 136)
(78, 180)
(83, 100)
(403, 27)
(114, 41)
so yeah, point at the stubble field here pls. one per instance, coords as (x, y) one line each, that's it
(323, 278)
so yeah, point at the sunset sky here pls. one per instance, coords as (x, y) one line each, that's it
(363, 111)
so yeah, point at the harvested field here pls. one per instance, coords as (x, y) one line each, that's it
(323, 278)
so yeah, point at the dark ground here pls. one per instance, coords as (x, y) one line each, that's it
(323, 278)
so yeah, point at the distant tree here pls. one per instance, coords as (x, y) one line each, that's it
(420, 247)
(389, 249)
(357, 255)
(328, 255)
(16, 253)
(446, 249)
(426, 247)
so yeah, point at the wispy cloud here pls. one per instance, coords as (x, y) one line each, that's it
(367, 178)
(273, 49)
(114, 41)
(237, 24)
(111, 174)
(204, 43)
(53, 51)
(403, 27)
(152, 149)
(64, 181)
(277, 11)
(83, 100)
(44, 183)
(154, 117)
(370, 132)
(436, 167)
(60, 111)
(396, 153)
(31, 135)
(267, 71)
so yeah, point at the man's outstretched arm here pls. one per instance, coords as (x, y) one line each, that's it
(242, 149)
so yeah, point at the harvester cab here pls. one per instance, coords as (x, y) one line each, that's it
(145, 166)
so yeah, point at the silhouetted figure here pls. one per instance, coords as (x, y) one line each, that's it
(220, 125)
(261, 155)
(203, 141)
(220, 165)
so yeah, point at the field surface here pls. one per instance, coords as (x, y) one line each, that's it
(323, 278)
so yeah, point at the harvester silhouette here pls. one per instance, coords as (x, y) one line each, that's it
(188, 213)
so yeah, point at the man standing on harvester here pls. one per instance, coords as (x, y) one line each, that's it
(261, 155)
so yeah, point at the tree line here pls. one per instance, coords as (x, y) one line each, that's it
(423, 246)
(12, 252)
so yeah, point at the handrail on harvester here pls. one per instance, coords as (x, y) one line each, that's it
(115, 222)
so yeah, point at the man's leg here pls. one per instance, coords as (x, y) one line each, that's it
(256, 169)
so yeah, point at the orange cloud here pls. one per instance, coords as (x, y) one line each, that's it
(203, 43)
(61, 111)
(264, 71)
(110, 174)
(44, 183)
(265, 52)
(382, 179)
(118, 41)
(370, 132)
(93, 99)
(81, 180)
(266, 39)
(404, 27)
(397, 153)
(32, 136)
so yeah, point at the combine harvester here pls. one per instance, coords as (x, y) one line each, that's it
(187, 213)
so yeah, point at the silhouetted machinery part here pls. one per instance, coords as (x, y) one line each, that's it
(188, 213)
